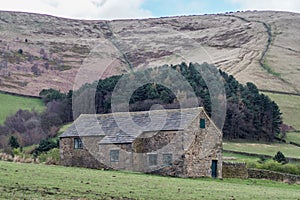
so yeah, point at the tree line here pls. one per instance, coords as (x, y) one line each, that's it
(250, 115)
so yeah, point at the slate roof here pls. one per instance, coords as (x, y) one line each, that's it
(124, 127)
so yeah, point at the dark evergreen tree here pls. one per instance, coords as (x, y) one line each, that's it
(13, 142)
(279, 157)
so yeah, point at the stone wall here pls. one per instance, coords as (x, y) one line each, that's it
(275, 176)
(258, 155)
(159, 139)
(125, 156)
(79, 157)
(234, 170)
(204, 146)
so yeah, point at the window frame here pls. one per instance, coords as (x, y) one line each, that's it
(114, 155)
(202, 123)
(152, 159)
(78, 143)
(169, 163)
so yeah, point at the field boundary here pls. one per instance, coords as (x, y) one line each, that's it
(272, 175)
(19, 95)
(295, 144)
(279, 92)
(258, 155)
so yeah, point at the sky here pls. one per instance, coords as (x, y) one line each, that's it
(124, 9)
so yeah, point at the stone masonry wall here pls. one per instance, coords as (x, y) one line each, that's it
(159, 143)
(205, 146)
(79, 157)
(125, 156)
(234, 170)
(275, 176)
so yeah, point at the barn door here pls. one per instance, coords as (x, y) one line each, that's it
(214, 167)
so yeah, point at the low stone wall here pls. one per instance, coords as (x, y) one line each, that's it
(275, 176)
(295, 144)
(257, 155)
(234, 170)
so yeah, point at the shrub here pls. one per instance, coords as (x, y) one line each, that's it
(272, 166)
(17, 152)
(279, 157)
(252, 164)
(51, 157)
(45, 145)
(262, 159)
(290, 168)
(13, 142)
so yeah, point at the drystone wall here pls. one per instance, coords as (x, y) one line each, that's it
(275, 176)
(234, 170)
(79, 157)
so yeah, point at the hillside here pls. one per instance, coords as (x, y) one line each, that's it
(40, 51)
(14, 103)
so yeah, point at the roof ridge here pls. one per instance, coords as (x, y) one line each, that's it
(140, 112)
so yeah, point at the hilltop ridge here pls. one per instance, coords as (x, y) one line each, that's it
(42, 51)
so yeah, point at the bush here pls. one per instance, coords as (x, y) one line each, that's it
(13, 142)
(51, 157)
(279, 157)
(262, 159)
(290, 168)
(272, 166)
(46, 145)
(252, 164)
(17, 152)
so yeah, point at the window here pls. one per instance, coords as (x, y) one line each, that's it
(114, 155)
(152, 159)
(78, 143)
(167, 159)
(202, 123)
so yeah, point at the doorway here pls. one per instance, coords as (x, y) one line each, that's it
(214, 169)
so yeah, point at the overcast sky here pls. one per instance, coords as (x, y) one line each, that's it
(116, 9)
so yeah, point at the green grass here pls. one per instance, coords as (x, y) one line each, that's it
(63, 128)
(293, 137)
(234, 157)
(10, 104)
(261, 148)
(270, 70)
(32, 181)
(289, 106)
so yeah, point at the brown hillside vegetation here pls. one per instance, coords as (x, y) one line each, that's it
(40, 51)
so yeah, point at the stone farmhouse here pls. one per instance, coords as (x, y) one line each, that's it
(176, 142)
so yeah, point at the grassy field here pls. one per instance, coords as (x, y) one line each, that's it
(32, 181)
(238, 157)
(261, 148)
(293, 137)
(289, 106)
(10, 104)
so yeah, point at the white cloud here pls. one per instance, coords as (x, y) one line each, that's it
(279, 5)
(80, 9)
